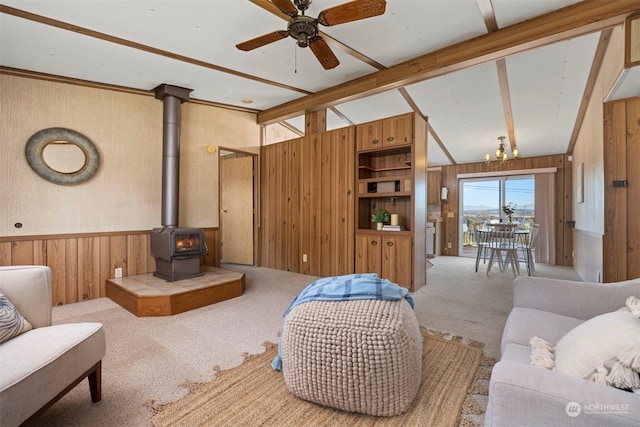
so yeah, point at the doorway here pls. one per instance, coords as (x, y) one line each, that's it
(482, 200)
(237, 206)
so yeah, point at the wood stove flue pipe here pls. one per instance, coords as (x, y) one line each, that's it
(172, 97)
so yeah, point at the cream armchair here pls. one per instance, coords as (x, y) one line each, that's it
(40, 366)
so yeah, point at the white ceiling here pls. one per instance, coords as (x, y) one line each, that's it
(192, 44)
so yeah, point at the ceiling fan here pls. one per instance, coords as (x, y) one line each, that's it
(305, 29)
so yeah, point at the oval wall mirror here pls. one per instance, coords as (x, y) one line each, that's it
(62, 156)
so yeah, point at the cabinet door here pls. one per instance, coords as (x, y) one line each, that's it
(433, 188)
(368, 253)
(369, 136)
(396, 260)
(397, 131)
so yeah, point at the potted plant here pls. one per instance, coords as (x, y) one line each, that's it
(380, 216)
(509, 209)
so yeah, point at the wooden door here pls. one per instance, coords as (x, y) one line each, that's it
(236, 209)
(397, 130)
(396, 260)
(368, 254)
(369, 136)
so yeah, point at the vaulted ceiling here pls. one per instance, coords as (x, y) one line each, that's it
(478, 69)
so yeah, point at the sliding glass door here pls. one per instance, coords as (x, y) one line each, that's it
(482, 199)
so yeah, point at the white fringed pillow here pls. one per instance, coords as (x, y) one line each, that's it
(605, 349)
(12, 323)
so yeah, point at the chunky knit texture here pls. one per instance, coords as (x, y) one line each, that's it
(360, 356)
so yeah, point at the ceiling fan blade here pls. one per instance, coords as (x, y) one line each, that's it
(262, 40)
(352, 11)
(323, 52)
(271, 8)
(286, 7)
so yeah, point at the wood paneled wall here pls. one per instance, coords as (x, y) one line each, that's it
(621, 240)
(451, 208)
(308, 204)
(81, 263)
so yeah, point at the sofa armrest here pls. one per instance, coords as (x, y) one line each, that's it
(524, 395)
(29, 289)
(582, 300)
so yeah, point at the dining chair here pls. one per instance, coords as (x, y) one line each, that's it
(482, 241)
(525, 248)
(504, 242)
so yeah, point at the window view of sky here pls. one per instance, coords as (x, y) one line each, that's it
(486, 194)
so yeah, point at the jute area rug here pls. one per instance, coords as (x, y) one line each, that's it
(452, 393)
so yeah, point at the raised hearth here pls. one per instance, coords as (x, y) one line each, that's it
(146, 295)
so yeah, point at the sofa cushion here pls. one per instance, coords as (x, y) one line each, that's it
(516, 353)
(524, 323)
(12, 323)
(43, 362)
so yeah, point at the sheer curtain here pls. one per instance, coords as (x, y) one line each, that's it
(545, 248)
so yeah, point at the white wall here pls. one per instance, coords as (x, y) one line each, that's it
(125, 194)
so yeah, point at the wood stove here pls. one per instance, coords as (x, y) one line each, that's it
(177, 252)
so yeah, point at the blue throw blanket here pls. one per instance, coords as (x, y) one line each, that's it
(341, 288)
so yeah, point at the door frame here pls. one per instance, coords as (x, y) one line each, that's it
(255, 196)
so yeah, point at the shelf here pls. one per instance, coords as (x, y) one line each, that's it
(386, 194)
(386, 151)
(374, 232)
(397, 168)
(385, 178)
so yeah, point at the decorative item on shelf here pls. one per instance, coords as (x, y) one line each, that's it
(386, 227)
(394, 219)
(509, 209)
(380, 216)
(501, 154)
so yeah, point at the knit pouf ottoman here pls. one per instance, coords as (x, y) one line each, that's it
(361, 356)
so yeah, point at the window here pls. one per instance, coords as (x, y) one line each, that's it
(482, 200)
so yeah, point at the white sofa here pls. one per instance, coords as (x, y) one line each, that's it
(40, 366)
(524, 395)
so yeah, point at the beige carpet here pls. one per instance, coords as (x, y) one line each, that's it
(151, 359)
(450, 371)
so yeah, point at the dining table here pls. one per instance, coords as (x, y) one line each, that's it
(499, 240)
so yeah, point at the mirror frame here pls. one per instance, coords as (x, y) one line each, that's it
(39, 141)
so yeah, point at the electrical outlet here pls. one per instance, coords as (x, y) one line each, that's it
(117, 273)
(304, 257)
(448, 245)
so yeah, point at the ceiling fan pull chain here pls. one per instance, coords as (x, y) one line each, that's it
(295, 60)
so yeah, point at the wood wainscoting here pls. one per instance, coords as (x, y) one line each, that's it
(82, 263)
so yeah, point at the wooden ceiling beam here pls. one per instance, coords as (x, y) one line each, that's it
(598, 59)
(506, 102)
(582, 18)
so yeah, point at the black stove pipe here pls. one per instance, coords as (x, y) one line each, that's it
(172, 97)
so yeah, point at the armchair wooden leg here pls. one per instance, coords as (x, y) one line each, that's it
(95, 382)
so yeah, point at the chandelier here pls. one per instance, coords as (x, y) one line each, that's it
(501, 154)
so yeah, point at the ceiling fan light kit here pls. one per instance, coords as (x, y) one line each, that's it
(304, 29)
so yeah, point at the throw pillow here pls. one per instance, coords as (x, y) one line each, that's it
(598, 341)
(12, 323)
(604, 349)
